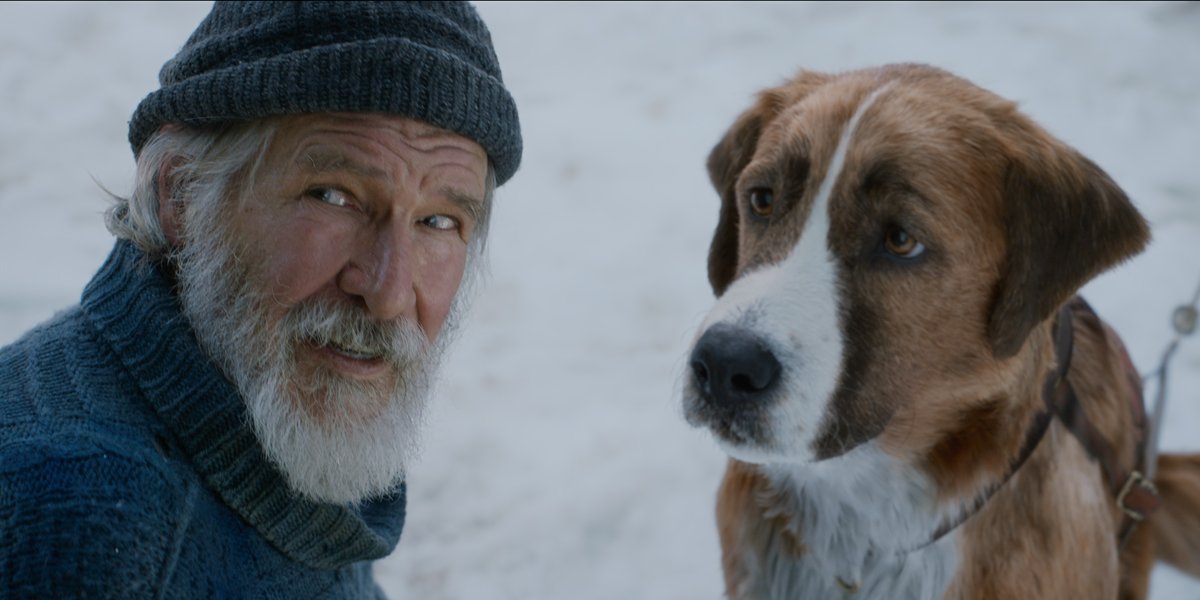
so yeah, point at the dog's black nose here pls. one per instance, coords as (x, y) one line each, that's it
(733, 366)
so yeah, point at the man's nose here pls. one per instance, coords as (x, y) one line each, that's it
(382, 271)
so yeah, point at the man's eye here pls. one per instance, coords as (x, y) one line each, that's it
(442, 222)
(327, 195)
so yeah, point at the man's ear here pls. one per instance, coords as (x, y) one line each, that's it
(1066, 222)
(170, 208)
(731, 155)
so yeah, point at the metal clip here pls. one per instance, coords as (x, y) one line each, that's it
(849, 588)
(1184, 319)
(1135, 478)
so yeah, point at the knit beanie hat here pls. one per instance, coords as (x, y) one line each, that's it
(431, 61)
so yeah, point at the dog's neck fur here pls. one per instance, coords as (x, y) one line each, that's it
(856, 517)
(869, 519)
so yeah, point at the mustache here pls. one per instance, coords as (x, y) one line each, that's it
(351, 330)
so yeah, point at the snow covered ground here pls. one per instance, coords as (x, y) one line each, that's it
(557, 463)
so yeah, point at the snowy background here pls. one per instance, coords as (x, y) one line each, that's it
(557, 462)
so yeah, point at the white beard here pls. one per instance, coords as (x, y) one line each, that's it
(327, 452)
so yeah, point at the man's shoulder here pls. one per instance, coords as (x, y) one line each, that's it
(85, 498)
(79, 517)
(37, 362)
(80, 512)
(63, 326)
(73, 433)
(73, 454)
(74, 467)
(62, 378)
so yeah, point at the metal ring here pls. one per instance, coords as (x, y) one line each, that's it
(849, 588)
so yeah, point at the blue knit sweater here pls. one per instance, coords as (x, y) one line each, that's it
(127, 468)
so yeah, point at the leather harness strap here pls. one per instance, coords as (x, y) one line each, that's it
(1136, 496)
(1056, 385)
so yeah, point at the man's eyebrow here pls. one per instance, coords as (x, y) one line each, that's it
(329, 160)
(469, 203)
(320, 159)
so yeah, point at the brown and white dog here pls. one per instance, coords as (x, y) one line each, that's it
(887, 360)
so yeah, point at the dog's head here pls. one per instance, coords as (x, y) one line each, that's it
(889, 242)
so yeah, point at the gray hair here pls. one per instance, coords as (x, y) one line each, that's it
(208, 164)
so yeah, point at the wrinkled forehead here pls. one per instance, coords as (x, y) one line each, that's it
(374, 145)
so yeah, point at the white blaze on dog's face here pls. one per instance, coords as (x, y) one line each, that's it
(790, 310)
(872, 267)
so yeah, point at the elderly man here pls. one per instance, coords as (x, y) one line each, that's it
(230, 409)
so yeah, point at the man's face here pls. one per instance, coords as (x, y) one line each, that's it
(371, 212)
(325, 288)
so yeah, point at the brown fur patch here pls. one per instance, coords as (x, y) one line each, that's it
(742, 527)
(1177, 525)
(970, 447)
(1061, 205)
(1045, 534)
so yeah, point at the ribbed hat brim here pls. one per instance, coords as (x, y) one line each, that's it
(384, 74)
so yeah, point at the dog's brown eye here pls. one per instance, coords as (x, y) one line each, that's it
(898, 242)
(762, 201)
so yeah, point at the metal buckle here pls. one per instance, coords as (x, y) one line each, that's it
(849, 588)
(1135, 478)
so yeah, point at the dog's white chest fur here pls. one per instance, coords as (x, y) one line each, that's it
(921, 575)
(859, 518)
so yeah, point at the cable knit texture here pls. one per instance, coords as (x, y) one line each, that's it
(127, 468)
(432, 61)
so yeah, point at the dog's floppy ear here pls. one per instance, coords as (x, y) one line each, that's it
(1066, 221)
(725, 163)
(731, 155)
